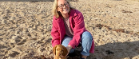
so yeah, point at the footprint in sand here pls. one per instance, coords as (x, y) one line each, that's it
(22, 42)
(124, 11)
(109, 52)
(2, 46)
(2, 33)
(14, 53)
(1, 38)
(16, 38)
(137, 33)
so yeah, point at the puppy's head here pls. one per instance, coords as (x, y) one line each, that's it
(60, 50)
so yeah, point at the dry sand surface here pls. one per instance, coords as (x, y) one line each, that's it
(25, 27)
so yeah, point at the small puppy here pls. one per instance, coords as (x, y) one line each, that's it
(60, 52)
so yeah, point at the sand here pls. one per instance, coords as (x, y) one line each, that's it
(25, 28)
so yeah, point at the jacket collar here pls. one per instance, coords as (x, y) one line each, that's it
(72, 13)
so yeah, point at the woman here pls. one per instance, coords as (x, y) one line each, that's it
(69, 29)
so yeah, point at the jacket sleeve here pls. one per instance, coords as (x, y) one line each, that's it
(55, 34)
(78, 30)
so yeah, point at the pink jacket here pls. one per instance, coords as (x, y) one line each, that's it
(77, 25)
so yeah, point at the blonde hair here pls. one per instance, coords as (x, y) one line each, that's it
(54, 10)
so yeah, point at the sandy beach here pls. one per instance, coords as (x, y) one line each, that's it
(25, 28)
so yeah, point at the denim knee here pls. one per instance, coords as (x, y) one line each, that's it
(87, 36)
(66, 41)
(86, 41)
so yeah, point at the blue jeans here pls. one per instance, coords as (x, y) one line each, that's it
(86, 42)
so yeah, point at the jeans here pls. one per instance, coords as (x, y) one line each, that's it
(86, 42)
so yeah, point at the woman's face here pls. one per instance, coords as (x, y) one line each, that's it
(63, 7)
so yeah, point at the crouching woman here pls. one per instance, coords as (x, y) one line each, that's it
(68, 29)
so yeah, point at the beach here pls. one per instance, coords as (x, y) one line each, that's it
(25, 28)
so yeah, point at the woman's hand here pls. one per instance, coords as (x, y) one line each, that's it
(69, 48)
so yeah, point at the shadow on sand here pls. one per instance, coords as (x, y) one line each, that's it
(117, 50)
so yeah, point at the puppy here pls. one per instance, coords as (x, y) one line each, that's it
(60, 52)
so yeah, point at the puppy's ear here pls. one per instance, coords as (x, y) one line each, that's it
(65, 51)
(54, 49)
